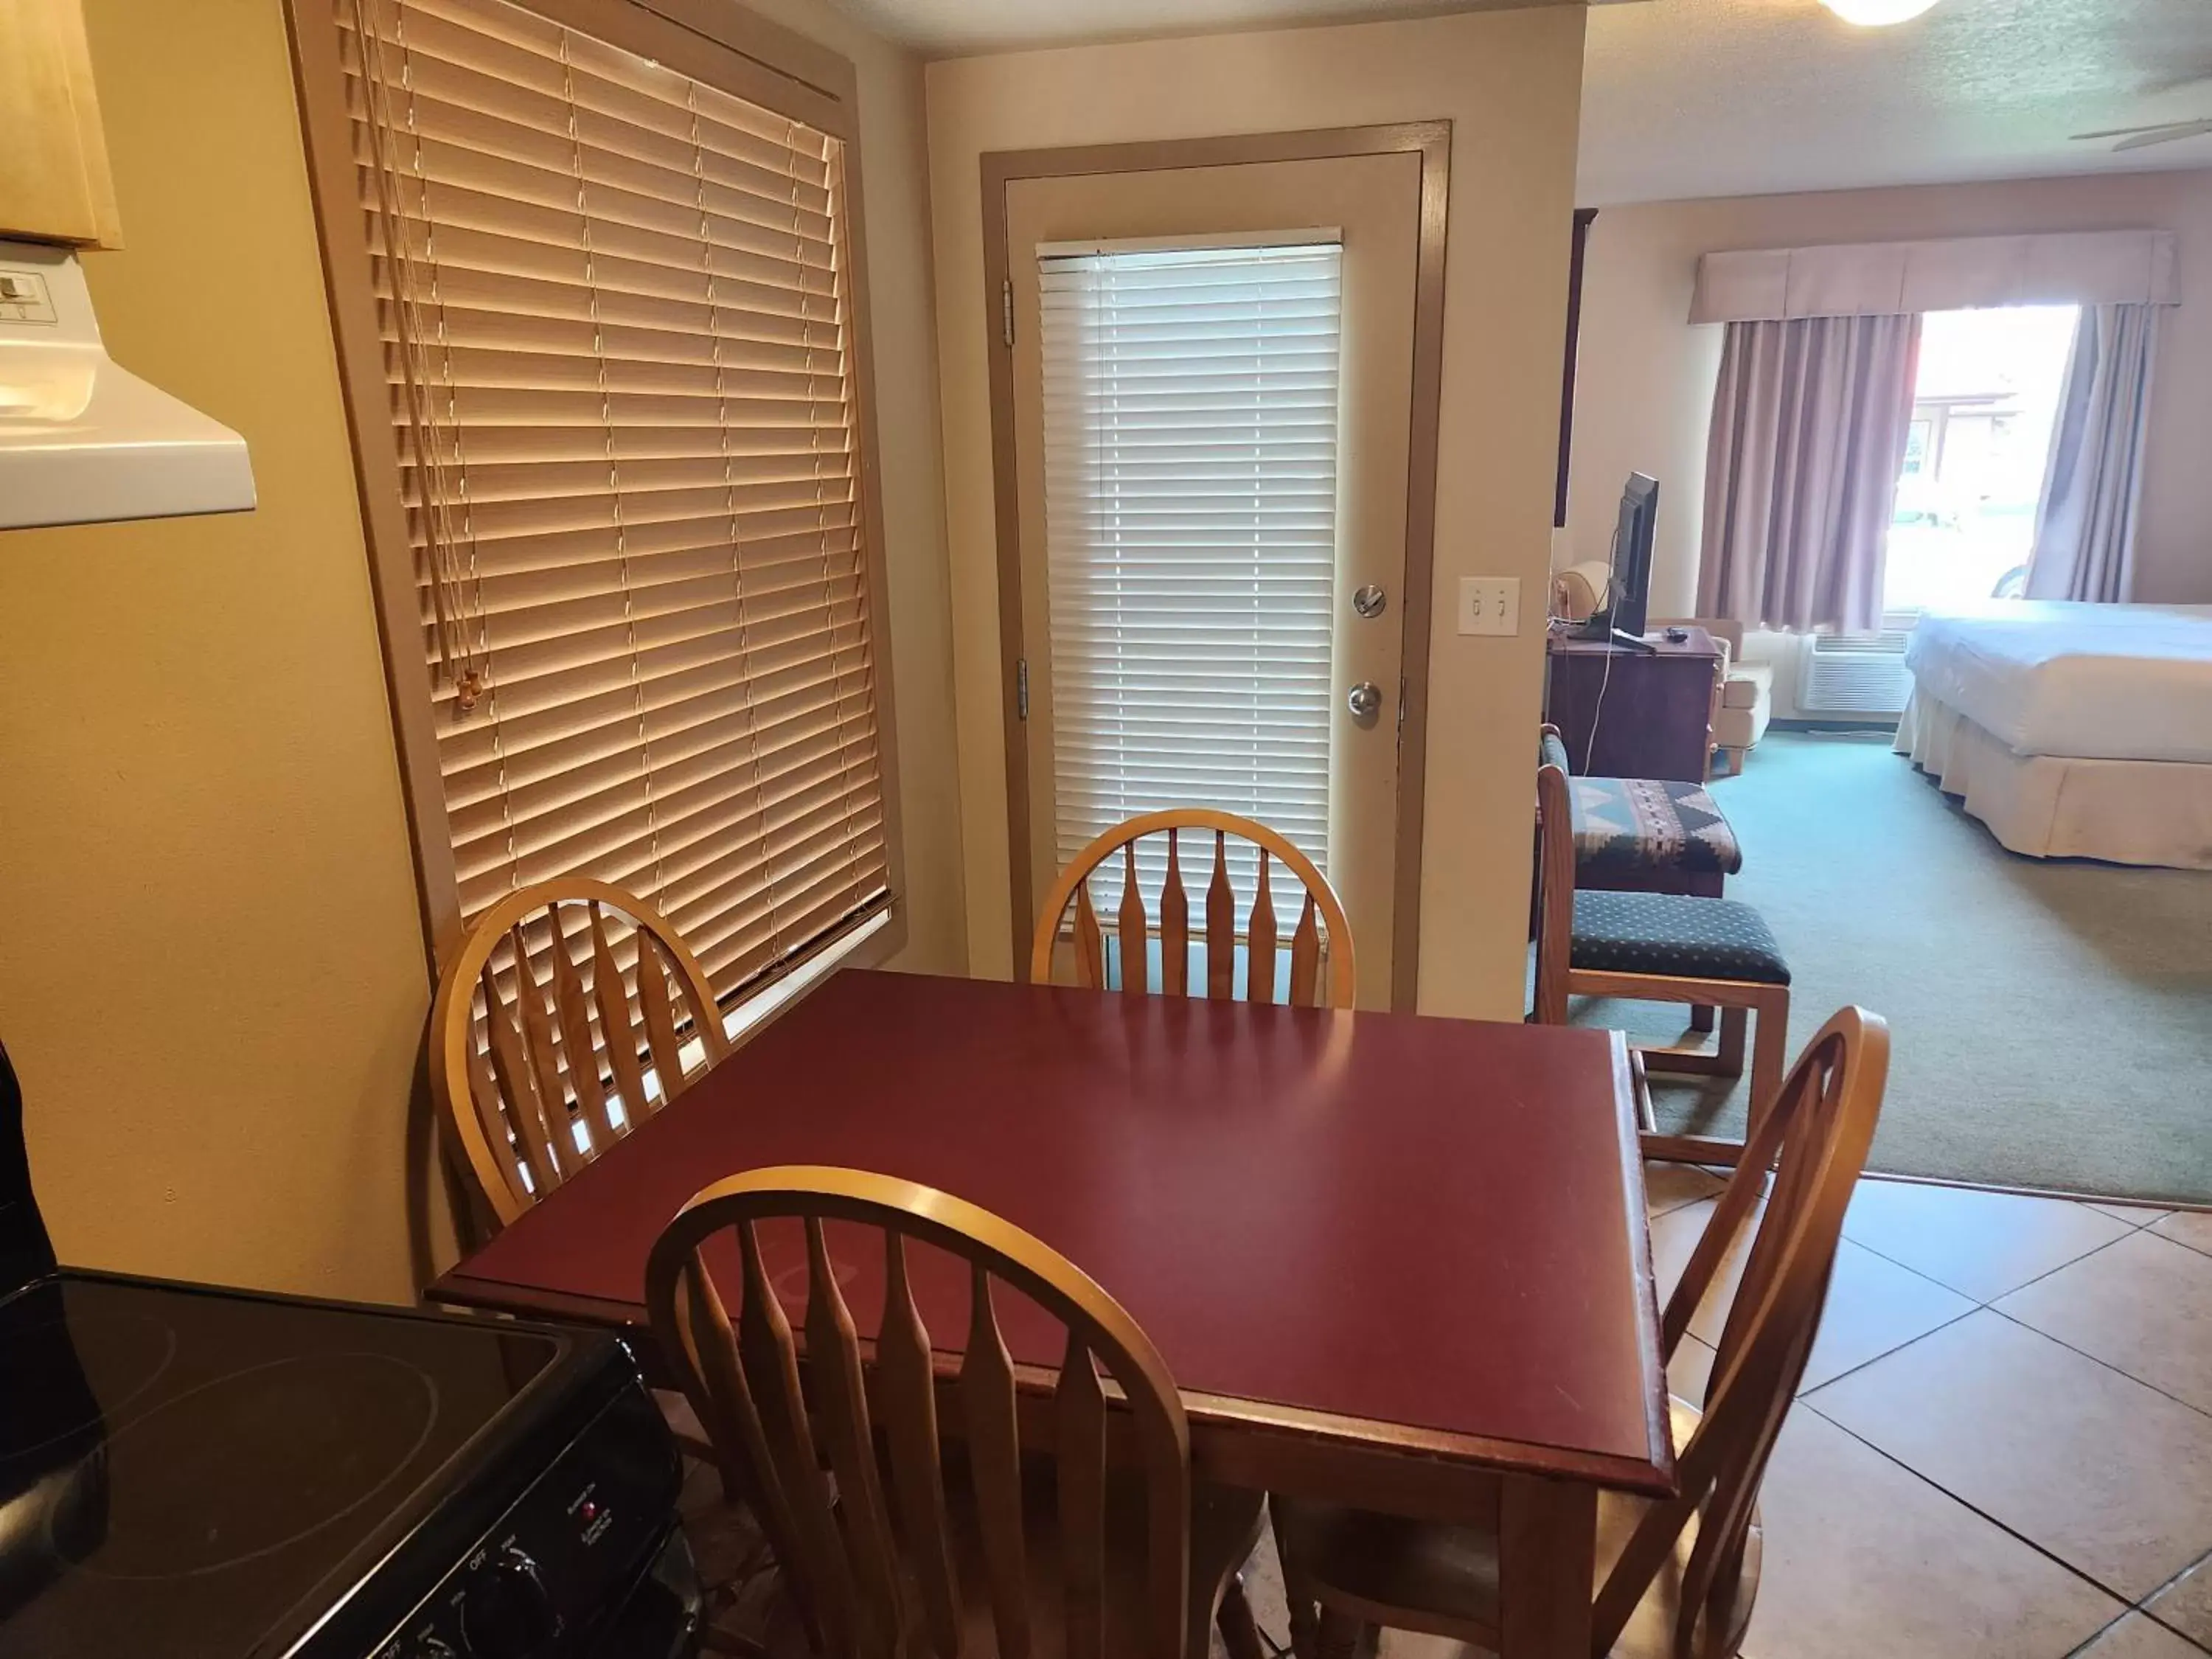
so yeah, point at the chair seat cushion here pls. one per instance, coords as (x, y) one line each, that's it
(1669, 934)
(1739, 728)
(1631, 825)
(1444, 1579)
(1748, 683)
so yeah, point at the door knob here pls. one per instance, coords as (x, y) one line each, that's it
(1364, 700)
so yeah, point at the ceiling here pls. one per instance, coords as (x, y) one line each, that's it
(948, 29)
(1686, 98)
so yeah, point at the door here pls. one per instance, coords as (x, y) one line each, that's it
(1213, 394)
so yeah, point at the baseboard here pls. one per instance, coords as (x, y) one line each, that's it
(2075, 1196)
(1803, 724)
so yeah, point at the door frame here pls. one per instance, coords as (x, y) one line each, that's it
(1431, 141)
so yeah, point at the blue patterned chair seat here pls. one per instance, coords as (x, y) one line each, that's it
(1672, 934)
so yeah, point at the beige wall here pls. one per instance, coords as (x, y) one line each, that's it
(1644, 387)
(1510, 83)
(895, 186)
(213, 982)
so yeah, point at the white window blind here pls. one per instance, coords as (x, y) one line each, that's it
(615, 305)
(1190, 428)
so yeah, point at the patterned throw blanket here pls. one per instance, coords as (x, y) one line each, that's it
(1626, 824)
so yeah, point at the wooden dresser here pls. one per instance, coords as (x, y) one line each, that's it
(1651, 711)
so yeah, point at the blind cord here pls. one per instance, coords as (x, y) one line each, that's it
(614, 473)
(426, 437)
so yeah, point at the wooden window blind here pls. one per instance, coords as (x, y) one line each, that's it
(1190, 435)
(616, 309)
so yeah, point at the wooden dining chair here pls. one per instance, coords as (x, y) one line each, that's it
(560, 1024)
(1677, 1577)
(1070, 1527)
(1659, 947)
(1319, 937)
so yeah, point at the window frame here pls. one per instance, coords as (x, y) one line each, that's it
(717, 42)
(1578, 261)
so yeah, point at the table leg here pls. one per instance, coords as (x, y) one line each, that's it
(1547, 1545)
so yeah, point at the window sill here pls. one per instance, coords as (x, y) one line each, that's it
(742, 1022)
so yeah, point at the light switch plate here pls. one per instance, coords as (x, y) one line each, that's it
(1489, 604)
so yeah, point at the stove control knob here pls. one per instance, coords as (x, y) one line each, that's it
(506, 1614)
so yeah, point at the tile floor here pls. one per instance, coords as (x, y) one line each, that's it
(2003, 1446)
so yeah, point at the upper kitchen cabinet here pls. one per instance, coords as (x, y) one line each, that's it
(54, 181)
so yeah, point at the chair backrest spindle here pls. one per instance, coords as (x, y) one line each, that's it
(574, 1017)
(1814, 1141)
(1321, 969)
(1079, 1413)
(1174, 925)
(1555, 893)
(994, 1463)
(1220, 925)
(517, 1084)
(866, 1594)
(909, 1411)
(1090, 942)
(1305, 955)
(527, 1082)
(1130, 924)
(1260, 940)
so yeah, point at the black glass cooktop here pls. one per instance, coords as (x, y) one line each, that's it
(193, 1472)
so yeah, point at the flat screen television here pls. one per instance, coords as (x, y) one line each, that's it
(1628, 593)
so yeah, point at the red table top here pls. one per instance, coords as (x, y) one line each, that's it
(1431, 1223)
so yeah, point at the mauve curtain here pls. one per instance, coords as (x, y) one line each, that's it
(1809, 423)
(2085, 525)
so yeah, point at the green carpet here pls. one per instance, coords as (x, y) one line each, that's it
(2051, 1020)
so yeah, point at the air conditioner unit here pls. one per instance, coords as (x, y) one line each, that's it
(1863, 678)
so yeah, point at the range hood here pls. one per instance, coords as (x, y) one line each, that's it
(82, 440)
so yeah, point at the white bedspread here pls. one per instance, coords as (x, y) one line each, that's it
(2096, 682)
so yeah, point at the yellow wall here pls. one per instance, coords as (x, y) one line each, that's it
(212, 980)
(1510, 82)
(1645, 392)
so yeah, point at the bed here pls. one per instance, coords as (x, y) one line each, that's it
(2072, 731)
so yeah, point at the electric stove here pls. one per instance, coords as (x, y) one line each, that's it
(214, 1474)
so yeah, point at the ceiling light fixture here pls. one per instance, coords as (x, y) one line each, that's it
(1875, 14)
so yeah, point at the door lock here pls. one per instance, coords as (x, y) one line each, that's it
(1370, 601)
(1364, 700)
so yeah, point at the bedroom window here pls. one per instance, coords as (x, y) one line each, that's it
(1983, 402)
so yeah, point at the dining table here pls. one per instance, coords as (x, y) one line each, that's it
(1392, 1260)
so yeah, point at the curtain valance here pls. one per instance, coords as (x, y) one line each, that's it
(2104, 267)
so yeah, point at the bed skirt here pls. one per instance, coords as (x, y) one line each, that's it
(2048, 806)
